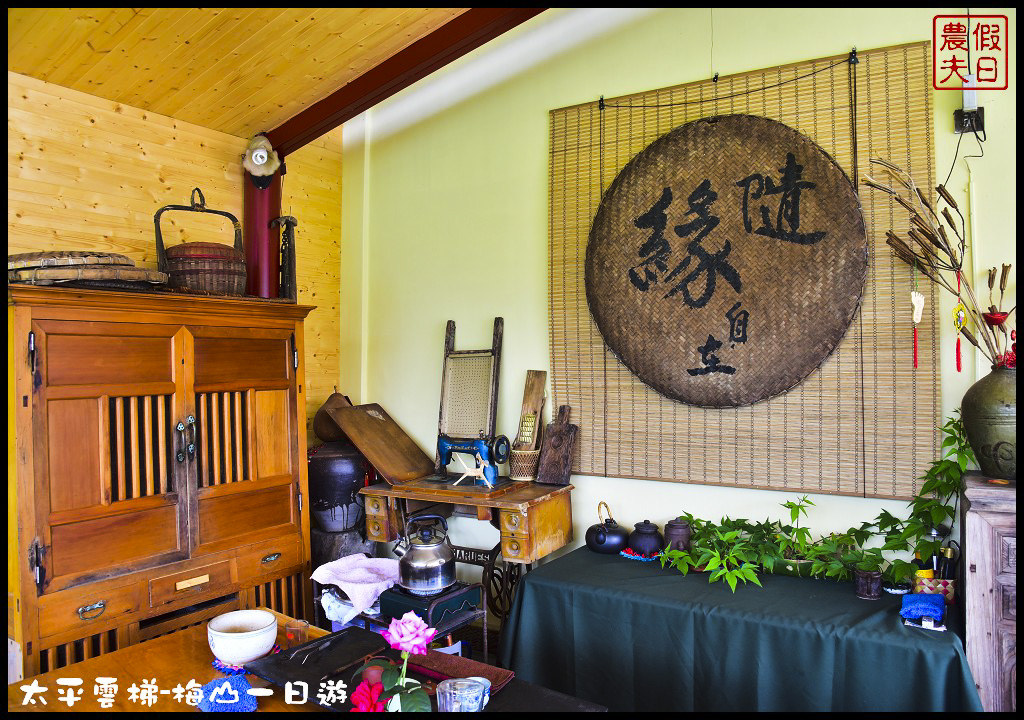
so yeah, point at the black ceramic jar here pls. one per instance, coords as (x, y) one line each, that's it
(645, 539)
(336, 472)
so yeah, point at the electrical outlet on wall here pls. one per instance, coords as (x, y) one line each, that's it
(970, 118)
(965, 121)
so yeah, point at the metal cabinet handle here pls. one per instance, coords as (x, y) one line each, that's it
(83, 612)
(180, 455)
(271, 558)
(190, 422)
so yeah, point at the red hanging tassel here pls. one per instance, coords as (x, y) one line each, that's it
(959, 366)
(915, 347)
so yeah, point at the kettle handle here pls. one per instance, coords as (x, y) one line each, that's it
(420, 518)
(606, 509)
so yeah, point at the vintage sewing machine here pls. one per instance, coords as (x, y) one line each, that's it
(487, 453)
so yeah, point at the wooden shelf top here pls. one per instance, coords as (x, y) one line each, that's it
(158, 301)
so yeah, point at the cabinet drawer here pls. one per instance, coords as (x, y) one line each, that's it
(82, 609)
(268, 558)
(516, 547)
(189, 583)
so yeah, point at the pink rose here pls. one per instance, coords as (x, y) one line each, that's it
(409, 634)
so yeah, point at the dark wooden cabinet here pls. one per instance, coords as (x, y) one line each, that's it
(157, 469)
(990, 572)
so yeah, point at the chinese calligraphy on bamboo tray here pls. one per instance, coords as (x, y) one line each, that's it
(726, 261)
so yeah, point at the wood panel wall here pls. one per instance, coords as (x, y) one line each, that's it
(86, 173)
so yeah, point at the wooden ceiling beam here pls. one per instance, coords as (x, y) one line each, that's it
(449, 42)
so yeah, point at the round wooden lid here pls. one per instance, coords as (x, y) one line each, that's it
(726, 261)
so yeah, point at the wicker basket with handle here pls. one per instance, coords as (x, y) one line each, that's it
(202, 267)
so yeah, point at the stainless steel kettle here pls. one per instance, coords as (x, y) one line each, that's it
(427, 562)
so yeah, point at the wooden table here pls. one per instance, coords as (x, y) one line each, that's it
(171, 660)
(185, 655)
(534, 520)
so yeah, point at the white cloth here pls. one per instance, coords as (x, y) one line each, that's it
(341, 611)
(361, 578)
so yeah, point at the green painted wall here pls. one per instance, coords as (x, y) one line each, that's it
(445, 211)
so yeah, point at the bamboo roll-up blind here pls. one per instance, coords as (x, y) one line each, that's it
(864, 423)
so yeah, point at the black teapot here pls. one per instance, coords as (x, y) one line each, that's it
(606, 537)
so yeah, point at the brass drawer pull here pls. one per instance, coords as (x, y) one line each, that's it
(271, 558)
(85, 609)
(191, 582)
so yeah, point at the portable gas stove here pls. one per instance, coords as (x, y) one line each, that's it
(437, 610)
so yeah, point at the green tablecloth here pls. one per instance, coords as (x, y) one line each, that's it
(633, 636)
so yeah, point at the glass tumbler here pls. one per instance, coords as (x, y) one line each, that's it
(296, 632)
(460, 695)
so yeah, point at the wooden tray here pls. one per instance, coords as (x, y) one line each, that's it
(387, 447)
(335, 657)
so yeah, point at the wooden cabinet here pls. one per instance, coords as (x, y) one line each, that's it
(158, 462)
(990, 572)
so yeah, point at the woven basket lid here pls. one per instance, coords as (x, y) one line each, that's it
(726, 261)
(204, 251)
(61, 258)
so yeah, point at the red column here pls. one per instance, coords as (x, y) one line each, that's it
(262, 242)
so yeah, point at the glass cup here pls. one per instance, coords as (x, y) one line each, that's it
(295, 632)
(460, 695)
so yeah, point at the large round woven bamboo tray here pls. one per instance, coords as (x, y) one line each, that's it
(60, 258)
(726, 261)
(114, 276)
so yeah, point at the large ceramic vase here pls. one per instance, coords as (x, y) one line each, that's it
(989, 412)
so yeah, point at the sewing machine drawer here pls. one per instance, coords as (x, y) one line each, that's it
(381, 523)
(513, 521)
(376, 505)
(516, 547)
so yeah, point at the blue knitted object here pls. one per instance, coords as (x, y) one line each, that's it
(917, 606)
(236, 691)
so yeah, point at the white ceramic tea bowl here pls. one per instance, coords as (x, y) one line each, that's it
(242, 636)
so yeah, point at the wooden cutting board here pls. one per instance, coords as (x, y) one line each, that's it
(393, 454)
(555, 465)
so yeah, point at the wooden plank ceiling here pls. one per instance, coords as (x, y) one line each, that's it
(235, 70)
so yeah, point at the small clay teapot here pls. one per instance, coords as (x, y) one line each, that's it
(678, 533)
(645, 539)
(606, 537)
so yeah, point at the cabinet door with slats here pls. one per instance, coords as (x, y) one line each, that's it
(107, 399)
(246, 464)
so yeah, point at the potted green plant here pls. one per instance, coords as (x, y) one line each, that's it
(792, 542)
(724, 550)
(932, 510)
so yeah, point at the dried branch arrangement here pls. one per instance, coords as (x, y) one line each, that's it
(935, 245)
